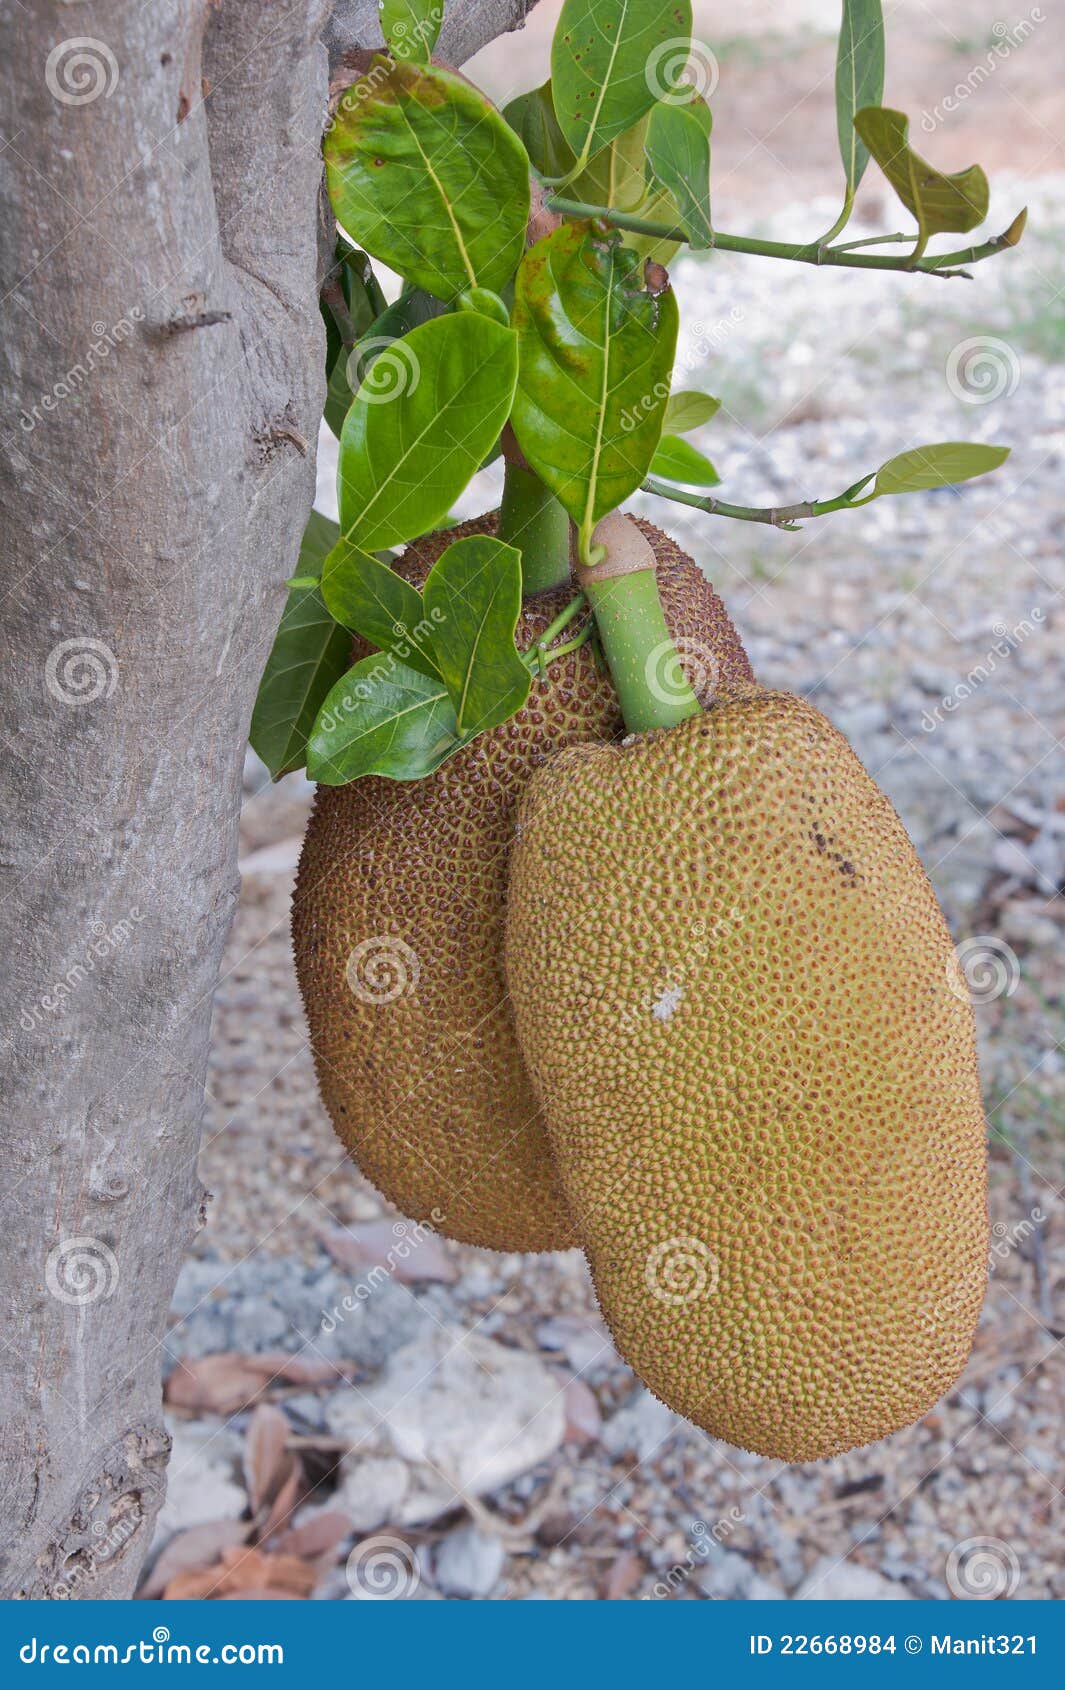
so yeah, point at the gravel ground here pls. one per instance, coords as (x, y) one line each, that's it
(931, 631)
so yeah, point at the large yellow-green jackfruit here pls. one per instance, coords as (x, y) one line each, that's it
(398, 937)
(739, 1003)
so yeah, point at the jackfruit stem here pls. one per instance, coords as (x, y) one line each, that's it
(651, 686)
(532, 519)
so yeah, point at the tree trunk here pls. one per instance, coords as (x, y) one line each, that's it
(161, 371)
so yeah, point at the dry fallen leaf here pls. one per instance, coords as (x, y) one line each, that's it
(226, 1382)
(404, 1251)
(193, 1550)
(583, 1419)
(268, 1462)
(626, 1571)
(315, 1536)
(244, 1572)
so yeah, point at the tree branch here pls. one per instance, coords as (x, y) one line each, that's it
(468, 26)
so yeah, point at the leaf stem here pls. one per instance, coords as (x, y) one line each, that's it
(774, 516)
(841, 221)
(538, 656)
(812, 252)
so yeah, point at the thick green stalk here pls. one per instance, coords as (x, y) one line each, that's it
(651, 686)
(532, 519)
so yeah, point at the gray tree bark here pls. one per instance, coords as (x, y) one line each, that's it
(161, 383)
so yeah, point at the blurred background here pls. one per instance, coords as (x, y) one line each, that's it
(466, 1429)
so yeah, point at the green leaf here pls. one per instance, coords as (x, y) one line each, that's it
(939, 203)
(678, 460)
(424, 419)
(617, 176)
(596, 350)
(350, 301)
(382, 719)
(609, 64)
(411, 27)
(413, 308)
(687, 410)
(366, 595)
(859, 80)
(487, 303)
(310, 652)
(942, 465)
(532, 117)
(425, 174)
(473, 598)
(319, 537)
(678, 151)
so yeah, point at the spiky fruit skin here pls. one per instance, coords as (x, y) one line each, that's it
(739, 1002)
(420, 1069)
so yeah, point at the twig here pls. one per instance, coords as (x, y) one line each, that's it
(812, 252)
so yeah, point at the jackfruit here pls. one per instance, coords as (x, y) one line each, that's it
(398, 935)
(740, 1007)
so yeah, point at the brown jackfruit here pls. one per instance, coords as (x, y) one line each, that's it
(740, 1006)
(398, 934)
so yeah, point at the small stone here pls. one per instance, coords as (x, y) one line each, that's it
(201, 1482)
(468, 1563)
(642, 1426)
(847, 1581)
(464, 1413)
(372, 1491)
